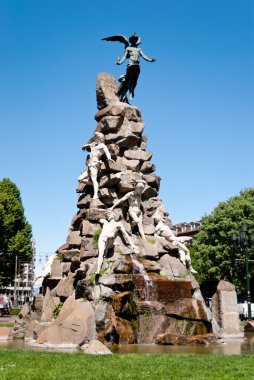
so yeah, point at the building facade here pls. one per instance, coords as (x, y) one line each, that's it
(187, 229)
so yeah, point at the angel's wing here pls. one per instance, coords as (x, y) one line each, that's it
(117, 38)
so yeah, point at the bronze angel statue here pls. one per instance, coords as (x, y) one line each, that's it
(132, 52)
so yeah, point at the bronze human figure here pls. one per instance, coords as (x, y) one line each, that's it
(132, 52)
(122, 89)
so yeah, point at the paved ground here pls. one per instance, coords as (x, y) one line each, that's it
(8, 319)
(6, 332)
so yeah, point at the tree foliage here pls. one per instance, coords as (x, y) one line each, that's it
(15, 231)
(214, 254)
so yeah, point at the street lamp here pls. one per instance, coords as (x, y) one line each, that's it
(243, 239)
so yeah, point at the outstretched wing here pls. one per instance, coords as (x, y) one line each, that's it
(118, 38)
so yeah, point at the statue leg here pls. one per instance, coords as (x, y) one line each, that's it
(84, 176)
(188, 263)
(93, 173)
(181, 246)
(122, 90)
(133, 74)
(184, 239)
(182, 256)
(140, 227)
(102, 248)
(137, 219)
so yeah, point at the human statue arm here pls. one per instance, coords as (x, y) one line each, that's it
(84, 147)
(124, 198)
(157, 233)
(184, 239)
(145, 57)
(127, 237)
(107, 153)
(120, 61)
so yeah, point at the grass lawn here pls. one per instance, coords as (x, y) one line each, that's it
(34, 365)
(6, 324)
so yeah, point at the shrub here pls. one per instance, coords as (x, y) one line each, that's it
(57, 310)
(96, 236)
(15, 311)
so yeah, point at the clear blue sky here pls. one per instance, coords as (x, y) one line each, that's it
(196, 99)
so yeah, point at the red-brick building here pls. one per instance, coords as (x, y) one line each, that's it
(187, 229)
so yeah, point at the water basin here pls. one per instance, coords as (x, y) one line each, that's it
(240, 346)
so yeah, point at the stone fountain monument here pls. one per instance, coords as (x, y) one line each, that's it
(122, 277)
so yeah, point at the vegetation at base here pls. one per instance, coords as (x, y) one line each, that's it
(34, 365)
(15, 311)
(213, 253)
(59, 256)
(141, 258)
(96, 236)
(92, 278)
(147, 313)
(7, 324)
(151, 241)
(57, 310)
(15, 231)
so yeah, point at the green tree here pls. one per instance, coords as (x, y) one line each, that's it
(15, 231)
(213, 252)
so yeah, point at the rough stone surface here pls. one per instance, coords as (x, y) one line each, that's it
(171, 339)
(162, 289)
(49, 304)
(106, 89)
(88, 248)
(148, 249)
(35, 328)
(56, 268)
(88, 228)
(75, 324)
(95, 347)
(74, 239)
(147, 167)
(224, 309)
(138, 155)
(65, 287)
(109, 124)
(172, 267)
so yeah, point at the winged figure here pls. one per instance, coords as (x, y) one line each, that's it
(132, 52)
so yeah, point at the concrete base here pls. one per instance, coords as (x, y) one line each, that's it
(233, 335)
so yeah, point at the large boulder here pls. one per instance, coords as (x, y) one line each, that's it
(95, 347)
(106, 89)
(172, 267)
(49, 304)
(65, 287)
(224, 309)
(75, 325)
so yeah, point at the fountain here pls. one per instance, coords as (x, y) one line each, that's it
(120, 277)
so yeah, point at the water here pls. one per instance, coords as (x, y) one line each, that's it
(240, 346)
(148, 282)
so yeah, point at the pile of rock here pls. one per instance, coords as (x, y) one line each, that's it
(142, 297)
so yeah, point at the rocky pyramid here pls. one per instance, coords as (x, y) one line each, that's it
(129, 285)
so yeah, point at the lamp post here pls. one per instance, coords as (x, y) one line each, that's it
(244, 238)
